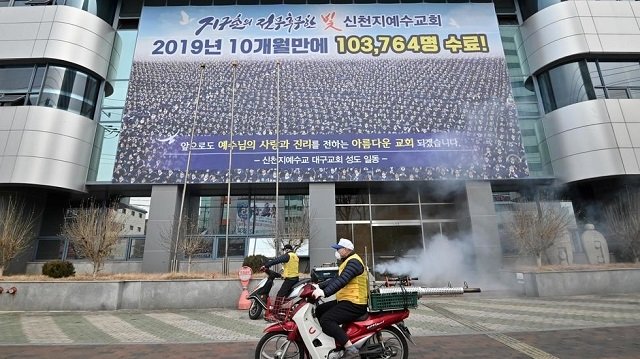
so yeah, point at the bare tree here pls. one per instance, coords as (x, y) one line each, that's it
(536, 225)
(17, 225)
(93, 230)
(623, 217)
(191, 240)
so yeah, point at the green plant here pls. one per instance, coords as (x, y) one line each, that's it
(255, 262)
(58, 269)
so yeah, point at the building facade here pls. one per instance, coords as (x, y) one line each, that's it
(68, 83)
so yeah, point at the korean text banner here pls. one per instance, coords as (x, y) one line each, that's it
(311, 93)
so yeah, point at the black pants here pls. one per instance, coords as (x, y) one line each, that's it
(286, 286)
(333, 314)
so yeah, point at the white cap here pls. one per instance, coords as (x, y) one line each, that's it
(343, 243)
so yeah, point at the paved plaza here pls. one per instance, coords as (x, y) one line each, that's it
(508, 327)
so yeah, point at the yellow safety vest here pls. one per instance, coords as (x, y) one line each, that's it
(291, 267)
(357, 290)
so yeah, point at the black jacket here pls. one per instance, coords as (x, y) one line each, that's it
(352, 269)
(281, 259)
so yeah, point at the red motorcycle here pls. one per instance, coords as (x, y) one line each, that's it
(298, 335)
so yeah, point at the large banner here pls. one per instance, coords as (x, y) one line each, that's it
(312, 93)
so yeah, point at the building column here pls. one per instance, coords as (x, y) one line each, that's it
(484, 227)
(322, 227)
(164, 209)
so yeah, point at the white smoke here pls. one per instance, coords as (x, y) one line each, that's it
(441, 262)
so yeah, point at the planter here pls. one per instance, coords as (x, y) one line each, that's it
(129, 294)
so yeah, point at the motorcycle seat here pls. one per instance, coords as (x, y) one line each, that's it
(361, 318)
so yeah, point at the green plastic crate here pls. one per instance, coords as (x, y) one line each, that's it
(388, 301)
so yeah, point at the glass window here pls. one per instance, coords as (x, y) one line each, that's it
(439, 211)
(352, 196)
(249, 214)
(108, 144)
(620, 74)
(565, 85)
(395, 212)
(262, 246)
(36, 85)
(50, 248)
(530, 7)
(531, 149)
(14, 79)
(236, 247)
(119, 251)
(72, 253)
(438, 194)
(125, 61)
(505, 6)
(394, 194)
(70, 90)
(137, 248)
(395, 242)
(352, 213)
(594, 74)
(131, 8)
(635, 93)
(617, 93)
(450, 230)
(20, 85)
(207, 246)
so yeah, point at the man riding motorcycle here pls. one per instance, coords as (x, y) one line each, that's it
(352, 293)
(290, 266)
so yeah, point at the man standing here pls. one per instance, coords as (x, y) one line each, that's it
(351, 287)
(290, 263)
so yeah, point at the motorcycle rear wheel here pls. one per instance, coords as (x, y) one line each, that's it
(255, 310)
(271, 345)
(393, 341)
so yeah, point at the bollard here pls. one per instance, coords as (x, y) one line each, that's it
(245, 276)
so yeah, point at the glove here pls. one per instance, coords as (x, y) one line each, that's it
(317, 293)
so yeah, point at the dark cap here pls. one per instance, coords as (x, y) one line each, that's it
(287, 247)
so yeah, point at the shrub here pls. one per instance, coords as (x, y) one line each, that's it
(255, 262)
(58, 269)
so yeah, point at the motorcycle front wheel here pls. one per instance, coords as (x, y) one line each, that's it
(274, 346)
(393, 342)
(255, 310)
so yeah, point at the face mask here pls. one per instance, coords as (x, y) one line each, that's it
(338, 256)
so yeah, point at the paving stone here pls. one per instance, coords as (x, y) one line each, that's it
(445, 316)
